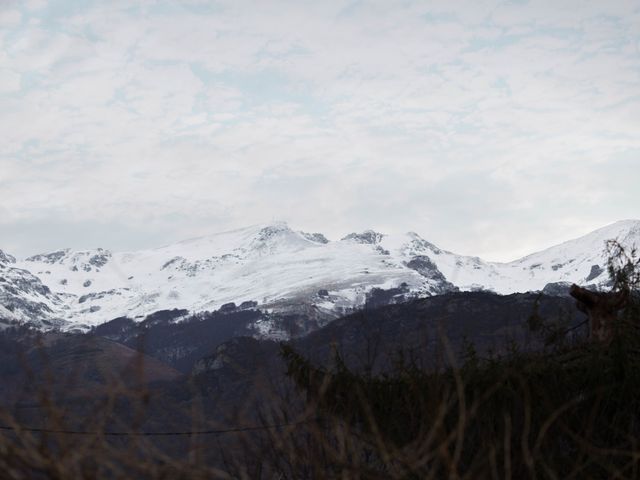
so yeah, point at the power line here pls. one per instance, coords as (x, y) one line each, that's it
(153, 434)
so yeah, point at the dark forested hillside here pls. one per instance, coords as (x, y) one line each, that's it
(172, 373)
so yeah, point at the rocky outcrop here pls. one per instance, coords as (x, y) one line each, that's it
(5, 258)
(425, 267)
(368, 237)
(24, 298)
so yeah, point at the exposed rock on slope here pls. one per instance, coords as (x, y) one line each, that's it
(24, 298)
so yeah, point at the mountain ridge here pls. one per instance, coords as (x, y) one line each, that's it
(279, 269)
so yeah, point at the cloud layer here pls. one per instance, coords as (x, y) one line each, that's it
(491, 128)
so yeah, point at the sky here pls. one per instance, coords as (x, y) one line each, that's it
(491, 128)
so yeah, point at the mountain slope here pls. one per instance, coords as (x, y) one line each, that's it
(268, 264)
(282, 270)
(582, 260)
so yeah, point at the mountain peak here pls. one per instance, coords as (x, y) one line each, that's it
(6, 258)
(277, 237)
(273, 230)
(368, 237)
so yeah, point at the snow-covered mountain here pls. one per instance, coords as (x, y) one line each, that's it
(278, 269)
(269, 264)
(582, 260)
(24, 298)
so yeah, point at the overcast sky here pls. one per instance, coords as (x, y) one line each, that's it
(491, 128)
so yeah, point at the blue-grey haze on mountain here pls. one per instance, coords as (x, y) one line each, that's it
(493, 128)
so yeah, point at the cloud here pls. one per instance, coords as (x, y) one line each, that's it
(477, 123)
(10, 17)
(9, 81)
